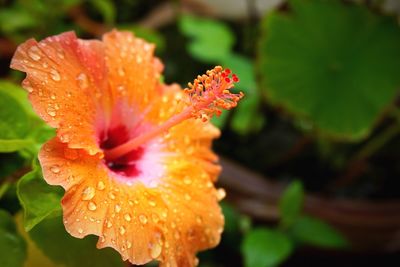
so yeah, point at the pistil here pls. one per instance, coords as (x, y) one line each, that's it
(208, 95)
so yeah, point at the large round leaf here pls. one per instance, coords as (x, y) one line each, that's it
(336, 64)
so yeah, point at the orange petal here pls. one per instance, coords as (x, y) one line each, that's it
(134, 72)
(64, 75)
(169, 222)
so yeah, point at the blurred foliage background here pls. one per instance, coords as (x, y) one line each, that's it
(311, 155)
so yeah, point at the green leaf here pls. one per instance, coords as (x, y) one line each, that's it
(16, 19)
(221, 120)
(50, 236)
(38, 199)
(246, 117)
(232, 218)
(333, 63)
(291, 203)
(106, 8)
(12, 245)
(315, 232)
(211, 41)
(14, 145)
(263, 247)
(14, 118)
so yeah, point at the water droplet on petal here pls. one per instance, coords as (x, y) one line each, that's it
(92, 206)
(117, 208)
(111, 195)
(33, 53)
(53, 96)
(155, 218)
(101, 185)
(60, 54)
(51, 111)
(128, 244)
(188, 197)
(121, 71)
(187, 180)
(83, 81)
(127, 217)
(109, 224)
(55, 75)
(28, 87)
(199, 220)
(88, 193)
(164, 214)
(80, 230)
(122, 230)
(152, 203)
(64, 138)
(55, 169)
(155, 250)
(143, 219)
(221, 193)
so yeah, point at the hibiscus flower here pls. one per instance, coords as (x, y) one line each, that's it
(133, 154)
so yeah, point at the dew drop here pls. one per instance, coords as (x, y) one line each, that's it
(187, 180)
(128, 244)
(51, 111)
(88, 193)
(92, 206)
(101, 185)
(155, 250)
(55, 75)
(155, 218)
(152, 203)
(111, 195)
(55, 169)
(122, 230)
(221, 193)
(80, 230)
(164, 214)
(121, 71)
(127, 217)
(28, 87)
(117, 208)
(64, 138)
(33, 53)
(109, 224)
(199, 220)
(60, 54)
(143, 219)
(188, 197)
(83, 81)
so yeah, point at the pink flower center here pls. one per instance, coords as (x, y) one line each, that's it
(126, 165)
